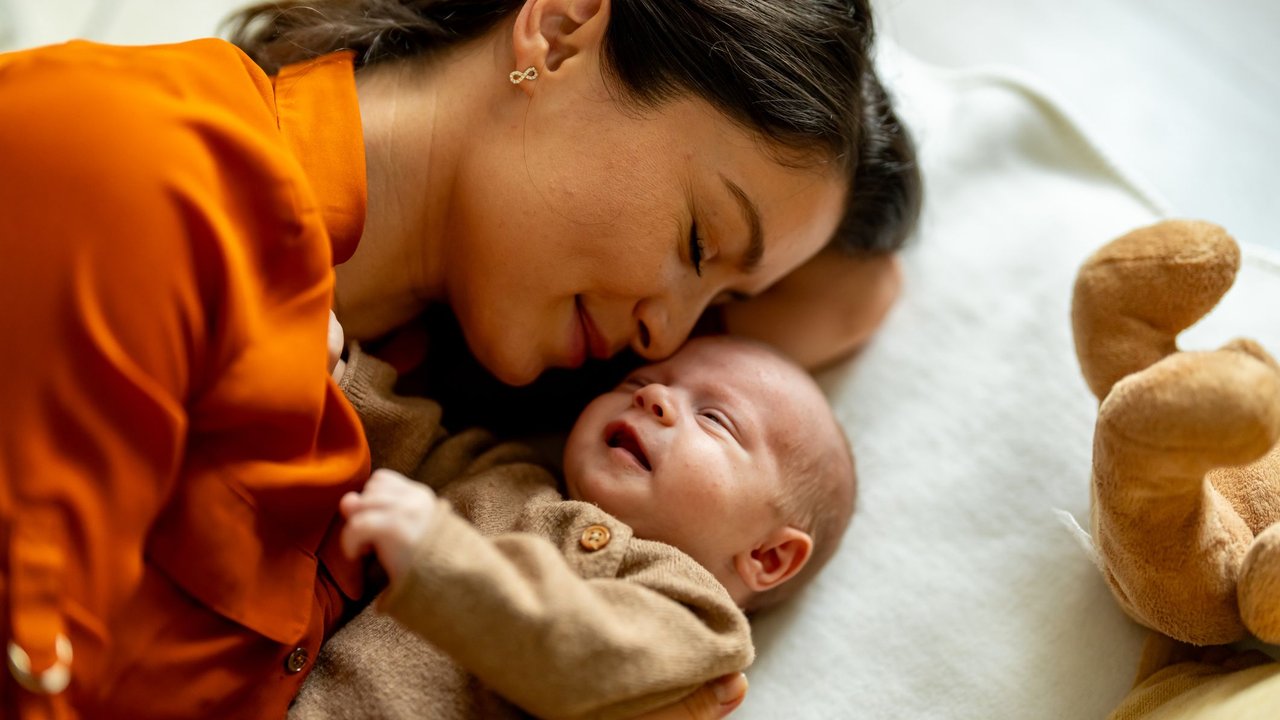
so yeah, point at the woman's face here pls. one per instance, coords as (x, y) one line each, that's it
(581, 227)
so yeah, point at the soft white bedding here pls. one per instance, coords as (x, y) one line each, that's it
(959, 593)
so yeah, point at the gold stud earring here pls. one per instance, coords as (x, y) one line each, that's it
(517, 77)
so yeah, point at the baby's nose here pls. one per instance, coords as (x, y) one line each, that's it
(654, 407)
(653, 399)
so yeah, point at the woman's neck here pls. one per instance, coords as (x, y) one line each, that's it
(418, 115)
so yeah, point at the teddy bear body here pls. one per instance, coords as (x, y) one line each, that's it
(1185, 505)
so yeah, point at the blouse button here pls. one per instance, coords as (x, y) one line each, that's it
(296, 661)
(595, 537)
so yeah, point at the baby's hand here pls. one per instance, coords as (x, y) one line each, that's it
(390, 516)
(336, 342)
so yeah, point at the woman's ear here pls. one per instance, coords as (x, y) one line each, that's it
(775, 560)
(549, 32)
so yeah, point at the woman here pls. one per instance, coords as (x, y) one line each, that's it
(569, 177)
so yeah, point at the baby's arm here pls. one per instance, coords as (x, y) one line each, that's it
(511, 610)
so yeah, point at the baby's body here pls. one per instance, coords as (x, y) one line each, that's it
(617, 601)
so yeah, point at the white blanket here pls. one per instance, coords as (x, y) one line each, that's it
(958, 592)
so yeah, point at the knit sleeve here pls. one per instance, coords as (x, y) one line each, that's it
(405, 433)
(402, 431)
(513, 612)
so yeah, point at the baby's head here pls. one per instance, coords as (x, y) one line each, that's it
(727, 451)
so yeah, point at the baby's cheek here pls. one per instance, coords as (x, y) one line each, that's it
(697, 486)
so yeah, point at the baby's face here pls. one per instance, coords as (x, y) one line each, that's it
(686, 451)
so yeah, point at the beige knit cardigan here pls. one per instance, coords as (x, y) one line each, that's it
(517, 601)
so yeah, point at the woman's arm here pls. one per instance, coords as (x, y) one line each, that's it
(824, 310)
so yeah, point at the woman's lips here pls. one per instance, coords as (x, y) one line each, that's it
(579, 343)
(594, 342)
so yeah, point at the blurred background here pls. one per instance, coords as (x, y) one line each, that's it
(1182, 94)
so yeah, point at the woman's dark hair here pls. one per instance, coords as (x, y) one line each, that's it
(798, 72)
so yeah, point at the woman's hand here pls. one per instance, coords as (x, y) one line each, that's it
(390, 516)
(824, 310)
(716, 699)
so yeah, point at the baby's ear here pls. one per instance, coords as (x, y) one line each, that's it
(775, 560)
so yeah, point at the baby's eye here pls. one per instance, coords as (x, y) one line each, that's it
(634, 382)
(716, 418)
(726, 430)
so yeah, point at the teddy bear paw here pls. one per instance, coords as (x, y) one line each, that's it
(1258, 590)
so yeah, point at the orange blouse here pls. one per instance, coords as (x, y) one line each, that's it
(172, 450)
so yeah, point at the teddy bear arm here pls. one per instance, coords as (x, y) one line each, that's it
(1111, 348)
(1134, 295)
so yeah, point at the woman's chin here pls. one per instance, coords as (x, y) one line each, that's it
(517, 378)
(512, 368)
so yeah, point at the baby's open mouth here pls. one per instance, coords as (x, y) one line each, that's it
(621, 435)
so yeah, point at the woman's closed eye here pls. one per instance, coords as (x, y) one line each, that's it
(697, 249)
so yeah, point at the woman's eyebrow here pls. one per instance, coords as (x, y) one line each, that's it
(755, 246)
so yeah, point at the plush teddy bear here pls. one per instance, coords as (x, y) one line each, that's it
(1186, 458)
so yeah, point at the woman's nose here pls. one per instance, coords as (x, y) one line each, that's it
(660, 331)
(656, 399)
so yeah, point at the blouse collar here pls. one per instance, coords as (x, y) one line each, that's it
(319, 116)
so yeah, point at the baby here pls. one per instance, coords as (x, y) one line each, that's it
(704, 487)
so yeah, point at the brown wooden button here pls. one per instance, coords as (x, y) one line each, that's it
(595, 537)
(296, 661)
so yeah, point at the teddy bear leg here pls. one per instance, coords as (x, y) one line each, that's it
(1172, 544)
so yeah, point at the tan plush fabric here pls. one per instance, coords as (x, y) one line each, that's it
(505, 601)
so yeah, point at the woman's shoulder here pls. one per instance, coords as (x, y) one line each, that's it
(90, 110)
(130, 106)
(77, 77)
(187, 130)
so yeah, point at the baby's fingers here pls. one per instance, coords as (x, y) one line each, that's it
(390, 516)
(363, 531)
(350, 504)
(386, 486)
(383, 490)
(336, 342)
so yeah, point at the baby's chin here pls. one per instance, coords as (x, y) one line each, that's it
(579, 487)
(571, 487)
(595, 491)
